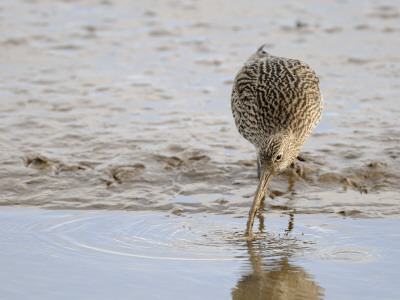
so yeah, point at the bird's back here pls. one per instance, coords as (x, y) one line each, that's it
(274, 94)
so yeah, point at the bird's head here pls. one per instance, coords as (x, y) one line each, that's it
(276, 152)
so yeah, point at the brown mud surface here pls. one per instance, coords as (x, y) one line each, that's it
(127, 106)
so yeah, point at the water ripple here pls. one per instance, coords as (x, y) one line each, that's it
(87, 235)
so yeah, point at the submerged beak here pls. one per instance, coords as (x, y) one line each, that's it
(267, 172)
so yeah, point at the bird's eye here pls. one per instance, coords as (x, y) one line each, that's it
(278, 157)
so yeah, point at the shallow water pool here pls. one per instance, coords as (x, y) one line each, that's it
(129, 255)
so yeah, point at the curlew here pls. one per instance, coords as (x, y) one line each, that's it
(276, 103)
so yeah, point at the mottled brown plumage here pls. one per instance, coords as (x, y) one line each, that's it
(276, 103)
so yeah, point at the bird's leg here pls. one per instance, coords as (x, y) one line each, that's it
(260, 216)
(290, 225)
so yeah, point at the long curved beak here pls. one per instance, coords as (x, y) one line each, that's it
(266, 174)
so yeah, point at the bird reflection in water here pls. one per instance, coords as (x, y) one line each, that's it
(273, 275)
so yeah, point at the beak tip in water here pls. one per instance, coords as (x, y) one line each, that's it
(248, 236)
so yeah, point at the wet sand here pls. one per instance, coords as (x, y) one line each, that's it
(126, 107)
